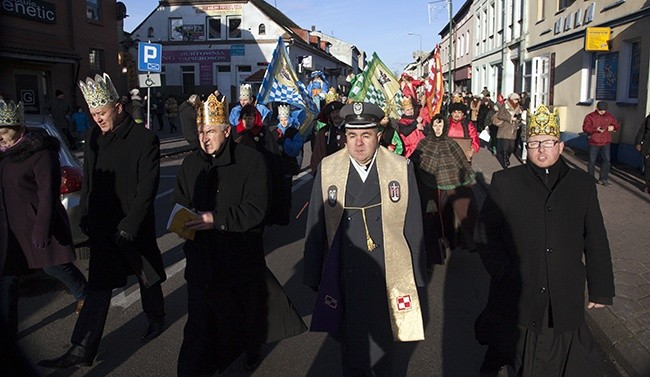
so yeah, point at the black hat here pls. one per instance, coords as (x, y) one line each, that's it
(362, 115)
(601, 105)
(332, 106)
(457, 107)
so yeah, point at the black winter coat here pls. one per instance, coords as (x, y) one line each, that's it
(187, 115)
(121, 175)
(30, 180)
(532, 241)
(233, 185)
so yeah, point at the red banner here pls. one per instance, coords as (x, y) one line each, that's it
(434, 87)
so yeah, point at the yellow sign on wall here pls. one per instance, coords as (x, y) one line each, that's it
(597, 39)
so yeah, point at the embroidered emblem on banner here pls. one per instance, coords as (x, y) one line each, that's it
(332, 192)
(394, 191)
(404, 302)
(331, 301)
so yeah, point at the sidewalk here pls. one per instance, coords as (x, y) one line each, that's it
(623, 328)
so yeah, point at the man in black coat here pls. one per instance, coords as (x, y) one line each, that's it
(121, 175)
(642, 144)
(537, 224)
(225, 183)
(187, 115)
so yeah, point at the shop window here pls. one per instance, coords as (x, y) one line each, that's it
(92, 10)
(261, 29)
(234, 27)
(629, 72)
(214, 27)
(96, 60)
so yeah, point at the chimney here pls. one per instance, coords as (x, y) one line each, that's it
(313, 27)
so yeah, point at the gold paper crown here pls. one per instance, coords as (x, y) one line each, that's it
(212, 111)
(283, 111)
(331, 96)
(245, 91)
(99, 92)
(11, 114)
(406, 103)
(542, 122)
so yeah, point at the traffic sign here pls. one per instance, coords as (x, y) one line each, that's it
(149, 80)
(149, 57)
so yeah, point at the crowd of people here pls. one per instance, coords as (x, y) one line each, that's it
(391, 198)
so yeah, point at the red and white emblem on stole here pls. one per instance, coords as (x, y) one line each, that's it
(404, 302)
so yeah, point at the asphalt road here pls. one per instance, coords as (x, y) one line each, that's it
(456, 293)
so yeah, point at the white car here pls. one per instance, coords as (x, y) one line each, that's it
(71, 178)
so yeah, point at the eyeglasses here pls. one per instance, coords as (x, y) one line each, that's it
(550, 143)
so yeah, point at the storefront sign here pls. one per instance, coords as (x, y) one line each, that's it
(597, 39)
(195, 56)
(35, 10)
(606, 76)
(219, 9)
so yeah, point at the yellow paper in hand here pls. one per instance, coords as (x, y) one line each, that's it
(177, 219)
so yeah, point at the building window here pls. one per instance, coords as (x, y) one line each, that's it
(540, 79)
(261, 30)
(92, 10)
(150, 32)
(234, 27)
(96, 60)
(564, 4)
(175, 29)
(214, 27)
(629, 72)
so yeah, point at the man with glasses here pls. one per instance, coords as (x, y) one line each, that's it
(536, 225)
(598, 125)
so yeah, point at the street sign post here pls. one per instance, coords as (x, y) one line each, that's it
(149, 60)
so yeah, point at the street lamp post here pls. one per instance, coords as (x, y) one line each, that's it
(419, 36)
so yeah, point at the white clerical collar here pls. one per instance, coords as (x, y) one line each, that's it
(363, 170)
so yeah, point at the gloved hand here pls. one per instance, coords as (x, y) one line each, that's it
(123, 238)
(83, 225)
(290, 132)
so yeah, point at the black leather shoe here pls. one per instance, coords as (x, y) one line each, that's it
(66, 361)
(153, 331)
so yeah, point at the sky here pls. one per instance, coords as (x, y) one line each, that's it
(380, 26)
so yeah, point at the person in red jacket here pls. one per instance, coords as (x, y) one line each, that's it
(598, 126)
(462, 128)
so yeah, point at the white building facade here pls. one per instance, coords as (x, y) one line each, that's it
(215, 44)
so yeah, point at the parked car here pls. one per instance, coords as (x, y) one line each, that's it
(71, 178)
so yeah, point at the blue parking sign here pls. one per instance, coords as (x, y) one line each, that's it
(149, 57)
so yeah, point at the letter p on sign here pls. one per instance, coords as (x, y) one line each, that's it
(149, 57)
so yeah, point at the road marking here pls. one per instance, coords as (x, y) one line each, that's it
(164, 193)
(123, 300)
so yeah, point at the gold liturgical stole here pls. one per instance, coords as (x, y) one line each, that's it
(403, 300)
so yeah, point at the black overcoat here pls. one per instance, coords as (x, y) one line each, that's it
(121, 175)
(532, 241)
(30, 180)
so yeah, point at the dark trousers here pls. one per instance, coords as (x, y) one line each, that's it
(221, 324)
(505, 147)
(604, 152)
(161, 123)
(69, 274)
(458, 206)
(8, 307)
(90, 325)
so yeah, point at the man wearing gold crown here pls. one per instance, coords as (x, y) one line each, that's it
(121, 174)
(246, 98)
(225, 183)
(537, 224)
(364, 250)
